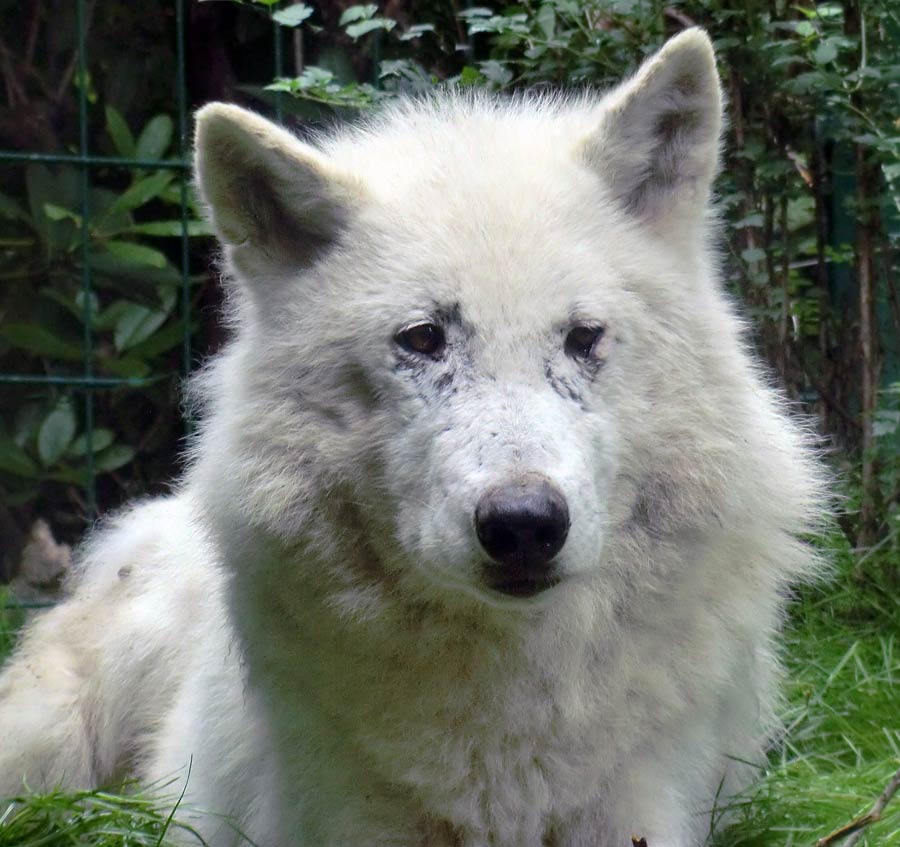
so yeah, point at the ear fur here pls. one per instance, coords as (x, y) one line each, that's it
(266, 191)
(657, 146)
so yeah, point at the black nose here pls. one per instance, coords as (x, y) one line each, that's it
(522, 526)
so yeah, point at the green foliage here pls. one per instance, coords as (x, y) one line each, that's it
(129, 326)
(321, 86)
(841, 742)
(361, 20)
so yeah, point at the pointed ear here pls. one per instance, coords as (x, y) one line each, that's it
(269, 194)
(657, 146)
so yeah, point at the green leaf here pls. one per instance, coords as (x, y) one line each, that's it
(58, 213)
(127, 276)
(496, 72)
(885, 422)
(45, 188)
(93, 302)
(118, 131)
(14, 460)
(171, 194)
(70, 476)
(171, 228)
(416, 30)
(504, 26)
(143, 191)
(755, 219)
(471, 76)
(40, 188)
(102, 438)
(113, 457)
(826, 52)
(135, 324)
(28, 418)
(165, 339)
(74, 306)
(155, 138)
(829, 10)
(359, 29)
(128, 366)
(546, 19)
(104, 219)
(357, 13)
(107, 319)
(40, 341)
(753, 254)
(314, 76)
(293, 15)
(137, 254)
(56, 433)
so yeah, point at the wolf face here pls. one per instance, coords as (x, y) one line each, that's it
(472, 326)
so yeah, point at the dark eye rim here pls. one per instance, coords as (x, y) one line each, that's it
(582, 340)
(416, 338)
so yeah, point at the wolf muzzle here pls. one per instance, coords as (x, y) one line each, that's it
(522, 525)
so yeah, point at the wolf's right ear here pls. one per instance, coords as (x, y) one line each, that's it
(268, 193)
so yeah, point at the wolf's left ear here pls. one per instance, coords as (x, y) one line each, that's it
(657, 146)
(273, 198)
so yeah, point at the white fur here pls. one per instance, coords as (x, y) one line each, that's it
(305, 620)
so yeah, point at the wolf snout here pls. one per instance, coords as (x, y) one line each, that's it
(522, 525)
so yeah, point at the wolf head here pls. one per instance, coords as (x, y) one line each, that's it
(480, 343)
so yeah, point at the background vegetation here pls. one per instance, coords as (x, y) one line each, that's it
(810, 191)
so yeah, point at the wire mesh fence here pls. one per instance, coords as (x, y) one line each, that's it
(82, 380)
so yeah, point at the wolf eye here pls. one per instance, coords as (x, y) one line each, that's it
(425, 339)
(581, 341)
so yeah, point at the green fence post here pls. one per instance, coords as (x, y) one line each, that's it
(88, 338)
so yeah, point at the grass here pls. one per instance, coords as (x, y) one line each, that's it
(842, 717)
(841, 747)
(88, 819)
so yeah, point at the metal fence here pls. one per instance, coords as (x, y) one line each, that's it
(87, 382)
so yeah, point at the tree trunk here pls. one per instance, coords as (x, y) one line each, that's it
(866, 188)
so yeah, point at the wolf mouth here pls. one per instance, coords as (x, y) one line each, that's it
(522, 586)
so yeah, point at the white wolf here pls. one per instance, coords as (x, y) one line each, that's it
(487, 534)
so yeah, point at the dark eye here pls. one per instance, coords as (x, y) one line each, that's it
(581, 341)
(425, 339)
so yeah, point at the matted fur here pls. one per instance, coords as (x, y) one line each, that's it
(305, 620)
